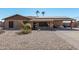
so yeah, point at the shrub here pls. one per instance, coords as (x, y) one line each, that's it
(26, 28)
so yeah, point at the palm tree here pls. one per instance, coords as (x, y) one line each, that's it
(37, 12)
(43, 13)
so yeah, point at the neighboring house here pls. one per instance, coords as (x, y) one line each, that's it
(16, 21)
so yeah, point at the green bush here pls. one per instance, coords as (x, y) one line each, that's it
(26, 28)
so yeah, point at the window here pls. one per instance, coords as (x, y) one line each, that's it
(10, 24)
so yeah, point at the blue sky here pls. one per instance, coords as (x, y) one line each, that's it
(70, 12)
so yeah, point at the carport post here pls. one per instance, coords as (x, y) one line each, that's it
(51, 25)
(71, 24)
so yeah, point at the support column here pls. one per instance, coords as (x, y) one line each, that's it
(71, 24)
(75, 23)
(37, 26)
(51, 25)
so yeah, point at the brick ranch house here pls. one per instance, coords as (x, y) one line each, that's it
(16, 21)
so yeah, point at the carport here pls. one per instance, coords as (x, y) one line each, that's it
(49, 23)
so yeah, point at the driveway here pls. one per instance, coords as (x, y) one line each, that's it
(37, 40)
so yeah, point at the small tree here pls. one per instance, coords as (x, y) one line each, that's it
(26, 28)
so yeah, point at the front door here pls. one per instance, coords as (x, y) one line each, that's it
(10, 24)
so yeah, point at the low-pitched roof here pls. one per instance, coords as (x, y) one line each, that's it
(16, 16)
(35, 18)
(53, 18)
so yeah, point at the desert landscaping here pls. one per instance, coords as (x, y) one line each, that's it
(39, 40)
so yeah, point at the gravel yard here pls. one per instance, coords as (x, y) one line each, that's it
(37, 40)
